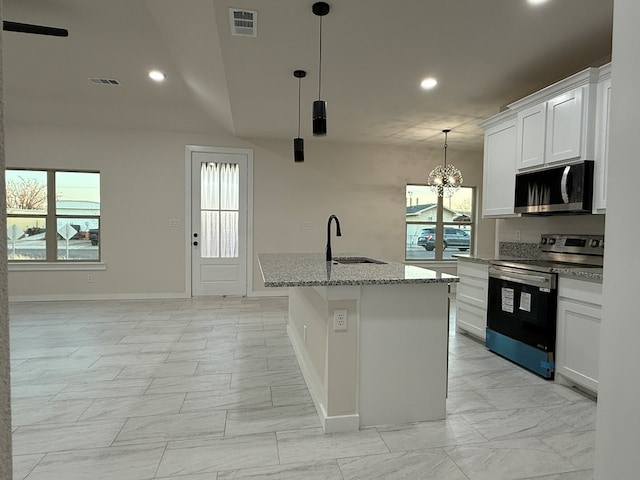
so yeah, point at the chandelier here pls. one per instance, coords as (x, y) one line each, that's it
(445, 180)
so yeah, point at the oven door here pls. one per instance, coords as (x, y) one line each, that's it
(522, 306)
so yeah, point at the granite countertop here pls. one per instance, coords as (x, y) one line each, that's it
(484, 259)
(594, 274)
(311, 269)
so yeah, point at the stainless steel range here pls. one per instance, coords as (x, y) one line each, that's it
(521, 317)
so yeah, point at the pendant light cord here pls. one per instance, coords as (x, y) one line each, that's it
(298, 107)
(445, 149)
(320, 63)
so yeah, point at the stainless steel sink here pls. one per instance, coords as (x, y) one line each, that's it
(348, 260)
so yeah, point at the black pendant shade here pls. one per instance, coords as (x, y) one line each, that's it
(298, 143)
(298, 149)
(319, 118)
(320, 9)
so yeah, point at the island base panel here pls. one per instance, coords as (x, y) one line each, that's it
(403, 354)
(393, 357)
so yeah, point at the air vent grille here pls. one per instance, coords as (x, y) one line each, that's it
(105, 81)
(244, 23)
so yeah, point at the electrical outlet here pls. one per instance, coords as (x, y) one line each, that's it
(90, 278)
(304, 334)
(339, 320)
(307, 225)
(174, 222)
(518, 235)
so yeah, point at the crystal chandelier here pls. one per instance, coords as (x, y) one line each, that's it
(445, 180)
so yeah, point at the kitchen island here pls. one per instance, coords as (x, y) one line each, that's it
(371, 337)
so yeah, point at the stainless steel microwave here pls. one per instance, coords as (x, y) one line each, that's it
(555, 191)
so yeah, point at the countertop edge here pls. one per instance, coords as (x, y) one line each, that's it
(338, 283)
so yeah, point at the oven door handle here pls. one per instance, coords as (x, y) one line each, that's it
(511, 275)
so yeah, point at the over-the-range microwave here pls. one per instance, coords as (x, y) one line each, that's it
(563, 190)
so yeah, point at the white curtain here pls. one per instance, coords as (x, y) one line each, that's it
(219, 203)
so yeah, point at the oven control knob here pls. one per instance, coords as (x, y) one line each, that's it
(543, 240)
(552, 241)
(595, 243)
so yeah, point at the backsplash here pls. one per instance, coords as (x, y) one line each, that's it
(518, 250)
(528, 229)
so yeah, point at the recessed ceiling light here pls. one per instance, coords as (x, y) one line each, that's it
(536, 2)
(157, 76)
(428, 83)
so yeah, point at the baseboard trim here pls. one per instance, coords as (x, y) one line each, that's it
(127, 296)
(93, 296)
(341, 423)
(270, 293)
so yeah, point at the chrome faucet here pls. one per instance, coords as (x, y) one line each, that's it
(338, 234)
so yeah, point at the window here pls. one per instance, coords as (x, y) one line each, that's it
(437, 228)
(219, 209)
(53, 215)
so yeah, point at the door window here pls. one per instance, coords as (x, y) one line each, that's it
(220, 190)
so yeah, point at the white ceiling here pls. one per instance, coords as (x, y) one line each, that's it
(485, 54)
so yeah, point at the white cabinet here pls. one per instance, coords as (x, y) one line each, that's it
(471, 298)
(556, 124)
(578, 332)
(565, 122)
(602, 140)
(531, 133)
(565, 126)
(499, 166)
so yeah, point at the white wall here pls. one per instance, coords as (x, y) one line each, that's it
(142, 176)
(142, 183)
(618, 422)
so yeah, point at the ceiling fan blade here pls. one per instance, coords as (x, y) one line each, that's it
(36, 29)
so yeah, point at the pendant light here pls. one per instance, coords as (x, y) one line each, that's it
(298, 143)
(445, 180)
(320, 9)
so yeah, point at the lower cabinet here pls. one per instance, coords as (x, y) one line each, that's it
(471, 298)
(578, 332)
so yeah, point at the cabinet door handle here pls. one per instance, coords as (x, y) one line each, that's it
(195, 244)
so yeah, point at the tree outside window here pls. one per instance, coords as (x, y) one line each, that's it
(53, 215)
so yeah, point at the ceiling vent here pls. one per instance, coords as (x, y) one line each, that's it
(244, 23)
(105, 81)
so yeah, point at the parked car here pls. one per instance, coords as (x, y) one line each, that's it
(453, 237)
(94, 236)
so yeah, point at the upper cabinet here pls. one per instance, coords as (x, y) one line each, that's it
(499, 165)
(567, 126)
(556, 124)
(564, 123)
(530, 137)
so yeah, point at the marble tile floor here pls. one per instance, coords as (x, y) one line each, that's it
(209, 389)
